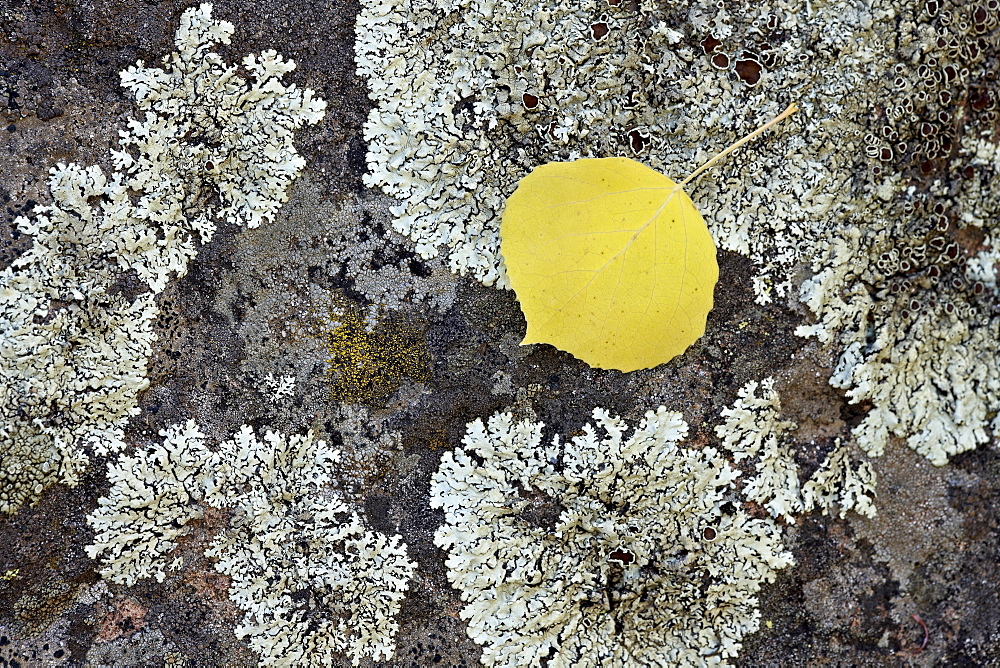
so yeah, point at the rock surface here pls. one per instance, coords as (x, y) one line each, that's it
(392, 355)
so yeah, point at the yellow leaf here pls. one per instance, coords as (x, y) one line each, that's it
(610, 260)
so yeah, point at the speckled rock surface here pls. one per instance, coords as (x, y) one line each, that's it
(391, 355)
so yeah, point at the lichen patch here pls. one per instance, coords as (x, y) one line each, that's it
(600, 550)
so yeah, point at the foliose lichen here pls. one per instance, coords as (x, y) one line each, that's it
(503, 87)
(73, 349)
(753, 429)
(313, 581)
(603, 550)
(884, 185)
(154, 494)
(839, 483)
(208, 146)
(904, 286)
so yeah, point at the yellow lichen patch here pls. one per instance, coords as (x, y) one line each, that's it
(368, 363)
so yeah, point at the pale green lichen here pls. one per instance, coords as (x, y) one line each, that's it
(209, 145)
(470, 97)
(839, 484)
(753, 429)
(603, 550)
(312, 580)
(885, 183)
(153, 495)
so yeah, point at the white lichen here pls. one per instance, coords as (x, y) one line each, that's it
(209, 146)
(926, 366)
(278, 388)
(601, 550)
(753, 429)
(905, 287)
(471, 96)
(838, 484)
(72, 348)
(153, 495)
(203, 124)
(881, 183)
(313, 581)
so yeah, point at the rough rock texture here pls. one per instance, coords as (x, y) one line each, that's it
(328, 287)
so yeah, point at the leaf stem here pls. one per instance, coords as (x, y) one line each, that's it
(792, 108)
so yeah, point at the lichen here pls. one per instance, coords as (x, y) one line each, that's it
(49, 646)
(153, 496)
(884, 184)
(73, 348)
(902, 286)
(471, 97)
(279, 388)
(36, 609)
(837, 483)
(290, 294)
(925, 364)
(313, 581)
(753, 429)
(208, 146)
(368, 363)
(600, 550)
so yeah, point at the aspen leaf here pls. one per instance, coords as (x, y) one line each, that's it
(611, 260)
